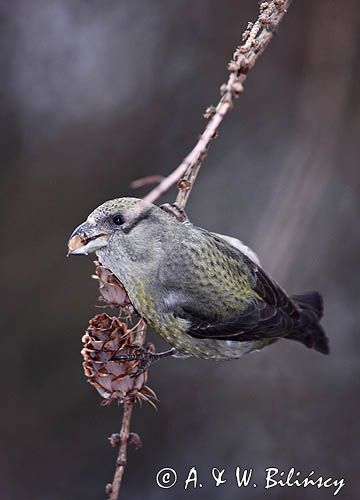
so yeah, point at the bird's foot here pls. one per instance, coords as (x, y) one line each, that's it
(175, 211)
(145, 356)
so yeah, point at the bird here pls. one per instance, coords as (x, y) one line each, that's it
(206, 294)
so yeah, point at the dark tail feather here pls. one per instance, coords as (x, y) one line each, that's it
(313, 337)
(310, 332)
(310, 301)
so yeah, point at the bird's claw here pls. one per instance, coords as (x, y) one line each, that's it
(145, 356)
(175, 211)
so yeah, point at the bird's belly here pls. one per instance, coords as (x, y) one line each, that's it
(216, 349)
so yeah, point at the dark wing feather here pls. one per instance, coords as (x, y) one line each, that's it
(270, 315)
(271, 293)
(208, 326)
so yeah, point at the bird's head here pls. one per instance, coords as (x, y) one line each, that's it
(125, 229)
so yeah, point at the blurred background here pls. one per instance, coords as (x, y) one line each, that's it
(97, 94)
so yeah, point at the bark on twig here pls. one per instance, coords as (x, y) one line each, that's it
(114, 489)
(255, 40)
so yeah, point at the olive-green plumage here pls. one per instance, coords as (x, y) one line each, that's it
(204, 296)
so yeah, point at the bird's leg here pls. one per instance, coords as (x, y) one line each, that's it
(146, 356)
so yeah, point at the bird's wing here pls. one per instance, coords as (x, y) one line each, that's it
(271, 293)
(235, 242)
(268, 313)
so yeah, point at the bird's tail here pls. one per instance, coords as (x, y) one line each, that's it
(309, 332)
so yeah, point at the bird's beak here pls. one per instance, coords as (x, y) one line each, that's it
(87, 238)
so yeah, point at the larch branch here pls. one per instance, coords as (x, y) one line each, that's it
(122, 453)
(255, 39)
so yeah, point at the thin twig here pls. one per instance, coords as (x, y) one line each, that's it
(113, 489)
(145, 181)
(255, 40)
(121, 458)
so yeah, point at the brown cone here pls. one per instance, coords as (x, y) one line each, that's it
(105, 338)
(111, 290)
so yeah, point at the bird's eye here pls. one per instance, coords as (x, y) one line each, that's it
(118, 220)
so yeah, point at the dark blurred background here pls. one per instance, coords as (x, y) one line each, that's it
(96, 94)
